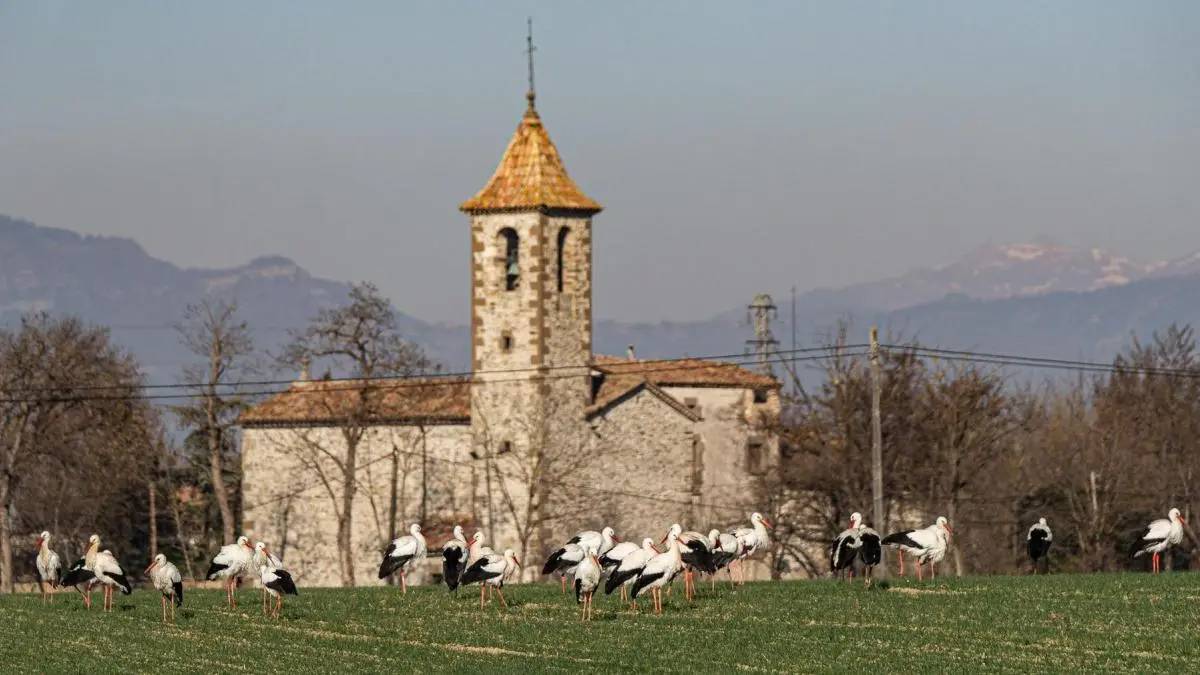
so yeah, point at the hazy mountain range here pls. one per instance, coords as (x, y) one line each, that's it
(1039, 298)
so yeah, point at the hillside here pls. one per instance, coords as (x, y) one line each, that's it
(1039, 299)
(113, 281)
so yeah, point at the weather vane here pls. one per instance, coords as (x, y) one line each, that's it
(529, 49)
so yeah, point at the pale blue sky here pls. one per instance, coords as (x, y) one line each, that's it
(737, 147)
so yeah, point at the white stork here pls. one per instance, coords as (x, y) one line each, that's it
(166, 578)
(696, 553)
(600, 542)
(476, 550)
(630, 567)
(49, 567)
(564, 561)
(753, 538)
(98, 567)
(871, 550)
(1160, 535)
(587, 579)
(80, 573)
(491, 570)
(844, 547)
(616, 554)
(231, 563)
(726, 548)
(454, 559)
(402, 553)
(1037, 541)
(109, 573)
(658, 572)
(261, 559)
(277, 581)
(927, 543)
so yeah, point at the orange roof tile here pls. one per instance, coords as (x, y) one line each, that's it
(438, 401)
(684, 372)
(531, 175)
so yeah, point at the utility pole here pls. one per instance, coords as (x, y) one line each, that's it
(877, 441)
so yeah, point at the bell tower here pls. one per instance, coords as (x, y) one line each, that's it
(531, 291)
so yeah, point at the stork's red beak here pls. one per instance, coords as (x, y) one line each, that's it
(247, 545)
(517, 561)
(656, 549)
(1182, 520)
(948, 529)
(147, 570)
(664, 539)
(38, 545)
(616, 538)
(764, 522)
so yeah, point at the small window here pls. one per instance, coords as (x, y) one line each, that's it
(562, 247)
(512, 261)
(506, 342)
(505, 447)
(754, 457)
(692, 404)
(760, 395)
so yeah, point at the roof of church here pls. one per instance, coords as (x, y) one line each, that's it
(616, 388)
(684, 372)
(319, 402)
(624, 377)
(448, 400)
(531, 175)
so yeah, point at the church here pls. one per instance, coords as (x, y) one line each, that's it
(543, 439)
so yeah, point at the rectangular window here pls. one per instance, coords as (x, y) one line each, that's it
(506, 341)
(760, 395)
(692, 404)
(505, 447)
(755, 459)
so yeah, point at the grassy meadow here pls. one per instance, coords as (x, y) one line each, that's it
(1083, 623)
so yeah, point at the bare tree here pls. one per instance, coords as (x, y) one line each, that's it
(362, 340)
(68, 409)
(969, 420)
(212, 331)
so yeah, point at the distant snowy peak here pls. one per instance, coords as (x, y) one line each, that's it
(1022, 269)
(997, 271)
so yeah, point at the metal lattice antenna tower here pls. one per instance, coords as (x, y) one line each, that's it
(760, 312)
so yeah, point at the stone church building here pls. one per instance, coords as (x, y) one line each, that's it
(543, 439)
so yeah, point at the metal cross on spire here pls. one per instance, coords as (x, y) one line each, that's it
(529, 50)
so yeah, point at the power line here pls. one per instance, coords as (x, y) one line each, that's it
(387, 382)
(1048, 363)
(725, 358)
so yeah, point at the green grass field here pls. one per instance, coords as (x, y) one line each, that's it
(1093, 623)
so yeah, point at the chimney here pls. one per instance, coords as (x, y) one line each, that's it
(632, 355)
(305, 375)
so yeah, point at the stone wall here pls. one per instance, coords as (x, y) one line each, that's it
(643, 470)
(288, 506)
(729, 491)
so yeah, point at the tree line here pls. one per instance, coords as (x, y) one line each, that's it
(1099, 453)
(84, 448)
